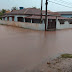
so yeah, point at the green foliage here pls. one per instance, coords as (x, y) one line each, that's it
(14, 8)
(66, 55)
(0, 18)
(33, 7)
(1, 15)
(3, 11)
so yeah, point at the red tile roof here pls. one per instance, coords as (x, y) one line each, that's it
(65, 12)
(30, 11)
(26, 11)
(54, 13)
(43, 17)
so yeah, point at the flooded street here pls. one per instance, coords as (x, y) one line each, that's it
(23, 49)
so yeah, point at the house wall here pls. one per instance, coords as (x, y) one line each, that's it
(36, 26)
(10, 18)
(15, 17)
(24, 25)
(66, 15)
(63, 26)
(5, 18)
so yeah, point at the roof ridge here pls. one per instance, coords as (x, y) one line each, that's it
(26, 10)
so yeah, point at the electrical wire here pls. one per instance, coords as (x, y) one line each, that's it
(59, 4)
(65, 2)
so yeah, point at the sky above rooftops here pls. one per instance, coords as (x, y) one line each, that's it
(8, 4)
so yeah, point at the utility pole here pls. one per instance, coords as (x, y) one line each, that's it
(41, 9)
(46, 15)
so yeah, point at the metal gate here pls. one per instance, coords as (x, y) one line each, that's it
(51, 24)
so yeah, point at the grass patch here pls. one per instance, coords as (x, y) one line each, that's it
(66, 55)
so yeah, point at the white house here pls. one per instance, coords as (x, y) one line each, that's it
(33, 16)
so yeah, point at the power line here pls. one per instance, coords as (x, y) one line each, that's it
(62, 1)
(60, 4)
(66, 2)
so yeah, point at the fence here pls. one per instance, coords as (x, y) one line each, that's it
(24, 25)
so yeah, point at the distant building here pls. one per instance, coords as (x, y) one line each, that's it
(66, 14)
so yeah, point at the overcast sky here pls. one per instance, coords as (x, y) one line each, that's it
(8, 4)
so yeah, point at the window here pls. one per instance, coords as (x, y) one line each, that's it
(28, 20)
(36, 20)
(20, 19)
(70, 21)
(61, 21)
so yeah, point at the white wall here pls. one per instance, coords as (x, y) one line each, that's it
(15, 17)
(24, 25)
(63, 26)
(34, 25)
(6, 18)
(10, 18)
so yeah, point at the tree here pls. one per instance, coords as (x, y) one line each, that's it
(33, 7)
(14, 8)
(1, 15)
(3, 11)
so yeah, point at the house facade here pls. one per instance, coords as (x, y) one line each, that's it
(67, 14)
(19, 15)
(32, 16)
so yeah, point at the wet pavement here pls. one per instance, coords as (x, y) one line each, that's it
(23, 49)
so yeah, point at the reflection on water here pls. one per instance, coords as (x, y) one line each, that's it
(23, 49)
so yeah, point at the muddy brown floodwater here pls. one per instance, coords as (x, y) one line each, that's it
(23, 49)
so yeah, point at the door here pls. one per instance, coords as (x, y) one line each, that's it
(12, 18)
(51, 24)
(8, 18)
